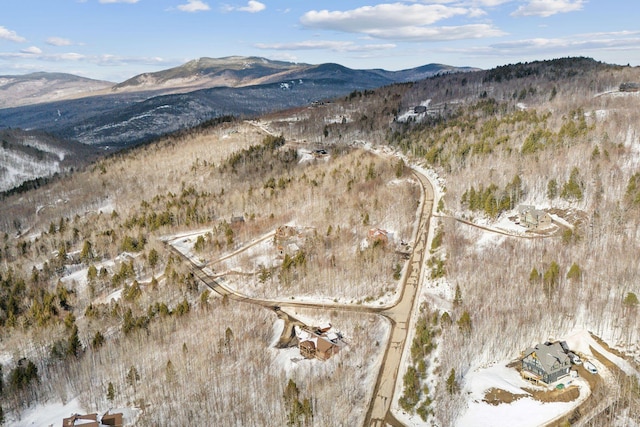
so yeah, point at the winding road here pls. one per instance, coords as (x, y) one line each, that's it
(398, 313)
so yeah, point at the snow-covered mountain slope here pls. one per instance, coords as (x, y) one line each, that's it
(26, 156)
(37, 88)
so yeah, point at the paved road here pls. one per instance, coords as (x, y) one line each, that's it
(379, 411)
(399, 313)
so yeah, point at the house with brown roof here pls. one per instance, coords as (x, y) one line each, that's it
(91, 420)
(320, 343)
(378, 235)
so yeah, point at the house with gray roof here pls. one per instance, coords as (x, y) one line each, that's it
(545, 363)
(533, 218)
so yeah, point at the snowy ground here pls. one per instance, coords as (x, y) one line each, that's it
(524, 412)
(229, 269)
(52, 414)
(527, 412)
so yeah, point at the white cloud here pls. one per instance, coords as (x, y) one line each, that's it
(490, 3)
(194, 6)
(462, 32)
(546, 8)
(32, 50)
(372, 18)
(34, 53)
(59, 41)
(252, 7)
(337, 46)
(401, 21)
(119, 1)
(590, 41)
(589, 44)
(12, 36)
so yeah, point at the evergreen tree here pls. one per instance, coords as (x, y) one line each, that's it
(291, 392)
(133, 377)
(228, 336)
(631, 300)
(153, 258)
(572, 189)
(92, 273)
(457, 299)
(552, 189)
(464, 323)
(550, 278)
(170, 372)
(73, 345)
(86, 254)
(452, 384)
(574, 273)
(111, 392)
(534, 276)
(98, 340)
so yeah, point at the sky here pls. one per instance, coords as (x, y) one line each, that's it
(117, 39)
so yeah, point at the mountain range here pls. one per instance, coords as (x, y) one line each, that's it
(106, 114)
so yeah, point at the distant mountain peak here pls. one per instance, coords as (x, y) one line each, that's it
(39, 87)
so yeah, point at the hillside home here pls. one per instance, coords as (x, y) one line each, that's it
(378, 235)
(545, 363)
(290, 249)
(91, 420)
(533, 218)
(237, 221)
(630, 87)
(320, 343)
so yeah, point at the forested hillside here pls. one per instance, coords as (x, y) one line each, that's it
(95, 305)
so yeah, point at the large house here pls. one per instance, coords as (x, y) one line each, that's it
(319, 343)
(533, 218)
(91, 420)
(545, 363)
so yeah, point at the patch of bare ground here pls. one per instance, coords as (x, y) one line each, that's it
(495, 396)
(568, 394)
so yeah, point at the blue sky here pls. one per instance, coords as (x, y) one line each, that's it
(117, 39)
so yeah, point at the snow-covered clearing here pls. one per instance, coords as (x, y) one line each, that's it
(524, 412)
(53, 413)
(506, 224)
(527, 412)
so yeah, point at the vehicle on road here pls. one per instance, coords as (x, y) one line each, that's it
(590, 367)
(575, 359)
